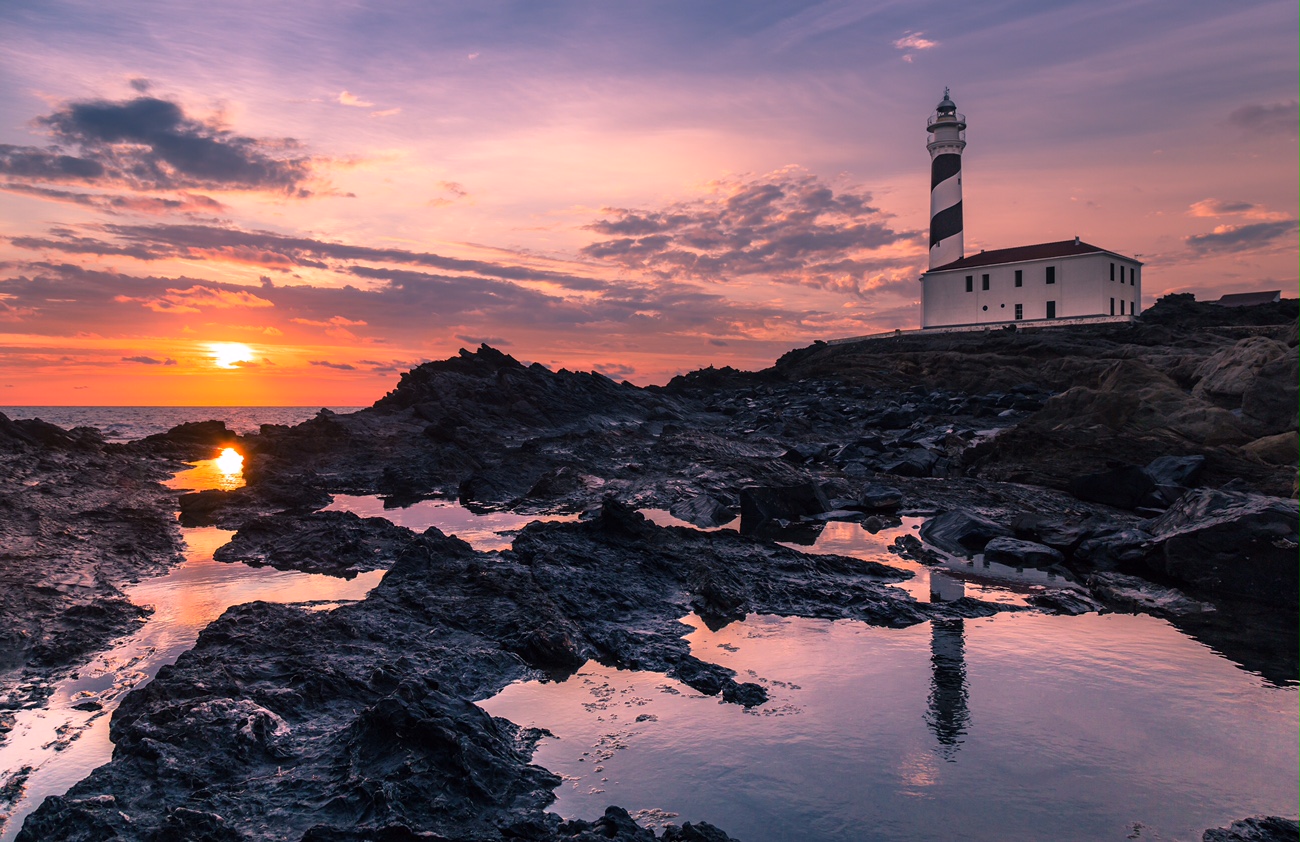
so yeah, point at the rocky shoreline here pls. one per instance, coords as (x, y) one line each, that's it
(1152, 467)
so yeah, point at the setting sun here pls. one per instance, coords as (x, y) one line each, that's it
(230, 354)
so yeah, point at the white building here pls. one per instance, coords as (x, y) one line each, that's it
(1064, 280)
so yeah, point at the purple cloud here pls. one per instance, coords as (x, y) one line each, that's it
(788, 226)
(150, 143)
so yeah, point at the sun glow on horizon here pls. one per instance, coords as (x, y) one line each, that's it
(230, 354)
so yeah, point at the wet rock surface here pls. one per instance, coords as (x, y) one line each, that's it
(1255, 829)
(78, 521)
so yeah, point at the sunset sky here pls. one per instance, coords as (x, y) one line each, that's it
(258, 203)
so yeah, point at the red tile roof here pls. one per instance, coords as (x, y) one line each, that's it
(1042, 251)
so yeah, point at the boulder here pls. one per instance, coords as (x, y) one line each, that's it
(1292, 335)
(760, 504)
(1180, 471)
(1017, 553)
(1231, 543)
(1135, 399)
(962, 533)
(1270, 399)
(1066, 601)
(916, 462)
(1134, 594)
(1124, 487)
(1112, 549)
(1064, 534)
(703, 510)
(1275, 450)
(878, 497)
(1226, 375)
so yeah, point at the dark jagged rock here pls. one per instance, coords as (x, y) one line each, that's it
(916, 462)
(962, 533)
(703, 510)
(192, 440)
(1131, 593)
(759, 505)
(1018, 553)
(1067, 601)
(35, 434)
(880, 497)
(1181, 471)
(1112, 548)
(1221, 542)
(77, 522)
(1255, 829)
(1123, 486)
(333, 543)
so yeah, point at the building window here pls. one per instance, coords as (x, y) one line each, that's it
(970, 283)
(1112, 271)
(1020, 277)
(1112, 306)
(1121, 308)
(1020, 309)
(984, 282)
(1121, 274)
(1051, 276)
(1051, 309)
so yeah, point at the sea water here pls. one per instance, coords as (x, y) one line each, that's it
(130, 423)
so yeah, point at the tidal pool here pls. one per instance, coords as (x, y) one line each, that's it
(1017, 726)
(51, 748)
(485, 532)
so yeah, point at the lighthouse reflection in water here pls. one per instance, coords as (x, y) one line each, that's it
(947, 712)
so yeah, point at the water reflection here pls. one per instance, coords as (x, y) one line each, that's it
(484, 532)
(1086, 725)
(947, 713)
(224, 473)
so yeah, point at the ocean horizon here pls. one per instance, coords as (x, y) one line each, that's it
(131, 423)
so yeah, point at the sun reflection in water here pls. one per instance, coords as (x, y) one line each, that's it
(230, 463)
(224, 473)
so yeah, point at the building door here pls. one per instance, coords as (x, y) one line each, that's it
(1051, 309)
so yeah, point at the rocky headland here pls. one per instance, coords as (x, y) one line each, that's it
(1152, 465)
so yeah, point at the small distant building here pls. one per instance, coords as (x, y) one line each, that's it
(1247, 299)
(1063, 280)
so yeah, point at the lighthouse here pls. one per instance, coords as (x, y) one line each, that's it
(949, 130)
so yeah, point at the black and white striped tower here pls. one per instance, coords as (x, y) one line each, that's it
(949, 130)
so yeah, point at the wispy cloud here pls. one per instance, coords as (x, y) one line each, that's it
(1213, 208)
(912, 43)
(348, 98)
(1282, 118)
(1241, 237)
(149, 360)
(194, 299)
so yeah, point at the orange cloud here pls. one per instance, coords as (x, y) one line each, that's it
(196, 297)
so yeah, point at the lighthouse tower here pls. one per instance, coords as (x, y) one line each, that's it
(949, 130)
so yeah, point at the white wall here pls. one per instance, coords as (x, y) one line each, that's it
(1083, 288)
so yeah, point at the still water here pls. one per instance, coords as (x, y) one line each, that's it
(1018, 726)
(484, 532)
